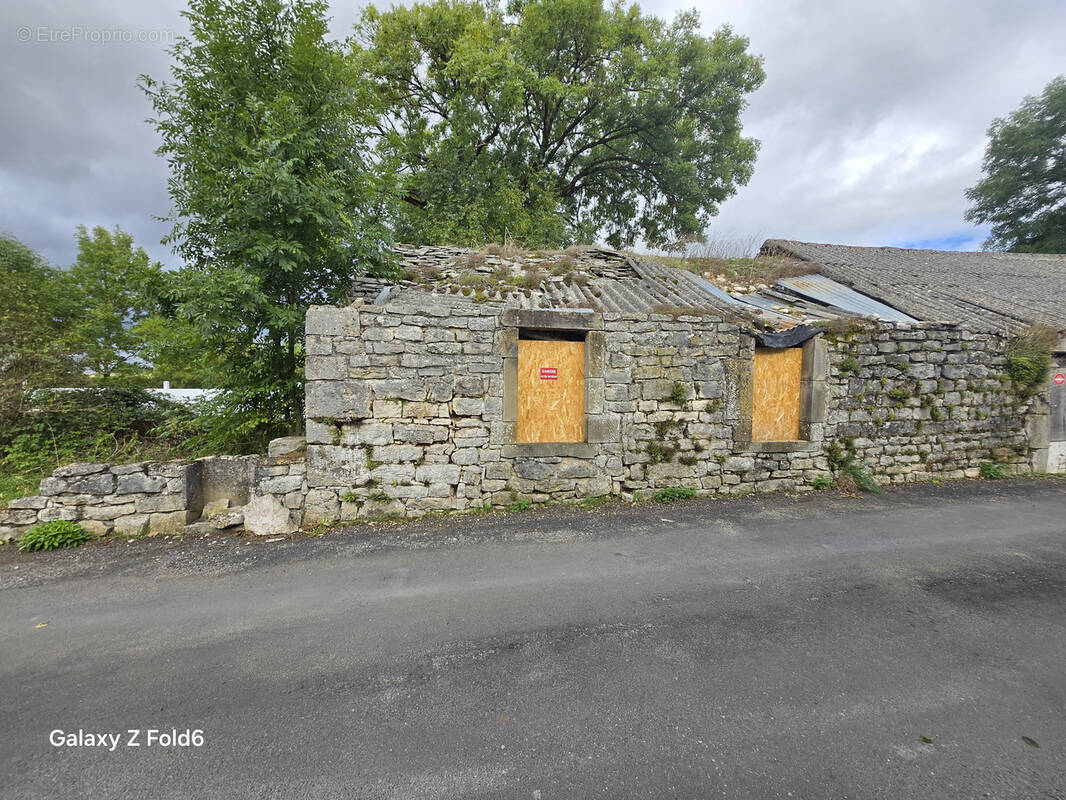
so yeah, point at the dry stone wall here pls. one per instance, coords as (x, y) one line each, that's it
(927, 401)
(264, 494)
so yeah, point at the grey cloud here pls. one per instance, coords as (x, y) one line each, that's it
(872, 118)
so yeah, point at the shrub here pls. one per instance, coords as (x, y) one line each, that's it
(678, 394)
(1028, 360)
(862, 479)
(671, 493)
(991, 471)
(53, 535)
(822, 482)
(849, 364)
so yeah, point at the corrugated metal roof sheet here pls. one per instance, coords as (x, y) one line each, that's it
(826, 290)
(1002, 291)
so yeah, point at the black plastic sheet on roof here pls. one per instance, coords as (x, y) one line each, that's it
(792, 337)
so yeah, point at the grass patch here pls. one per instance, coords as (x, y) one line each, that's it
(991, 471)
(672, 493)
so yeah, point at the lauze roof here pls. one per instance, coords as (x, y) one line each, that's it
(1004, 291)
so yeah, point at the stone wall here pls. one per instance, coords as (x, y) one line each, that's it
(926, 401)
(262, 493)
(411, 408)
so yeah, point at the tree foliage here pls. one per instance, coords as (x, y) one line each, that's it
(37, 309)
(1023, 193)
(274, 209)
(550, 121)
(112, 279)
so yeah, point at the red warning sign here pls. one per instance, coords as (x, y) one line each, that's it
(549, 373)
(1059, 379)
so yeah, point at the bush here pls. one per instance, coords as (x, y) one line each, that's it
(671, 493)
(862, 479)
(991, 471)
(98, 425)
(822, 482)
(1029, 359)
(53, 535)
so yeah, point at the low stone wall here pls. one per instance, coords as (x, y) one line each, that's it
(262, 493)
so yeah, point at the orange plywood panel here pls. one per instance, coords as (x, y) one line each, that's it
(776, 395)
(551, 391)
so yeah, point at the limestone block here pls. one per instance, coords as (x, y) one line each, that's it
(420, 434)
(383, 409)
(397, 453)
(266, 516)
(739, 464)
(150, 504)
(95, 527)
(468, 406)
(136, 482)
(338, 399)
(34, 502)
(19, 516)
(326, 368)
(437, 473)
(469, 386)
(367, 433)
(321, 505)
(408, 389)
(332, 321)
(79, 469)
(126, 469)
(216, 507)
(286, 445)
(466, 456)
(320, 432)
(132, 525)
(279, 485)
(331, 465)
(167, 521)
(106, 513)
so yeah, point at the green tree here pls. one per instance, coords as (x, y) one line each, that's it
(37, 307)
(274, 210)
(1023, 193)
(550, 121)
(113, 279)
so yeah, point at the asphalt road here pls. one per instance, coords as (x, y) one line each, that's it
(907, 646)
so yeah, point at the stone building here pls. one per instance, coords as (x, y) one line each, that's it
(487, 379)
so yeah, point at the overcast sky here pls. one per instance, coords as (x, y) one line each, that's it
(872, 118)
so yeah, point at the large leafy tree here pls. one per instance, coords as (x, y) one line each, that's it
(550, 121)
(113, 279)
(37, 309)
(273, 207)
(1023, 193)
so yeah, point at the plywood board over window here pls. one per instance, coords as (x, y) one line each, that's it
(776, 394)
(551, 391)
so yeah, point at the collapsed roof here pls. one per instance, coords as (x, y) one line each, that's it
(609, 280)
(1002, 291)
